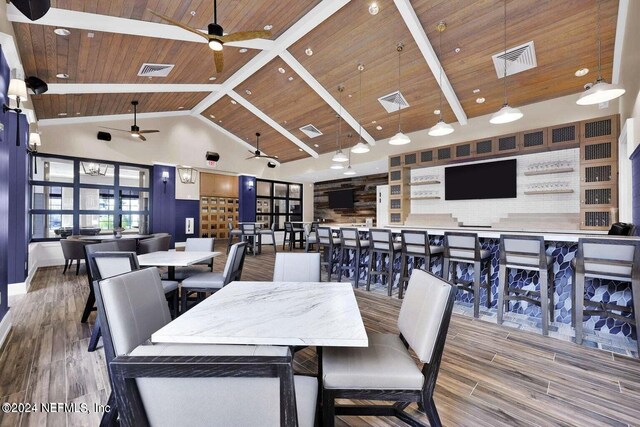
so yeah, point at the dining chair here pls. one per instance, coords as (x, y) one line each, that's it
(291, 234)
(310, 236)
(328, 244)
(89, 306)
(191, 384)
(194, 244)
(415, 244)
(350, 241)
(251, 236)
(233, 233)
(271, 232)
(297, 267)
(154, 244)
(72, 250)
(381, 244)
(211, 282)
(385, 369)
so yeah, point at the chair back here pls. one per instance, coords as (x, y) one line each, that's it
(462, 246)
(314, 226)
(381, 239)
(155, 244)
(523, 251)
(109, 264)
(72, 248)
(297, 267)
(288, 227)
(606, 258)
(325, 236)
(248, 228)
(110, 246)
(126, 245)
(416, 243)
(350, 238)
(200, 244)
(230, 226)
(235, 262)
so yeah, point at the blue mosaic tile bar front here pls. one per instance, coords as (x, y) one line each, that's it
(561, 252)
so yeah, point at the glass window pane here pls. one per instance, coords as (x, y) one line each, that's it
(135, 222)
(279, 190)
(96, 199)
(133, 177)
(295, 208)
(280, 206)
(264, 220)
(96, 173)
(263, 206)
(48, 226)
(51, 169)
(51, 198)
(295, 191)
(96, 224)
(264, 188)
(280, 220)
(134, 200)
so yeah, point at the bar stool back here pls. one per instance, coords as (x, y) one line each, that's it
(526, 253)
(465, 248)
(291, 234)
(271, 232)
(415, 243)
(381, 243)
(350, 241)
(251, 236)
(609, 259)
(233, 233)
(327, 243)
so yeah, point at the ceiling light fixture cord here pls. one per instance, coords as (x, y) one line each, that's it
(360, 68)
(441, 28)
(340, 89)
(599, 41)
(215, 11)
(505, 52)
(399, 48)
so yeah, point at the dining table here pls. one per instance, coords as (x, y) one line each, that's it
(108, 237)
(173, 259)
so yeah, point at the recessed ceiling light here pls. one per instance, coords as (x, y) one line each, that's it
(350, 95)
(457, 50)
(193, 13)
(180, 108)
(248, 92)
(233, 101)
(91, 35)
(285, 122)
(480, 100)
(476, 91)
(219, 121)
(290, 78)
(373, 8)
(582, 72)
(374, 122)
(379, 127)
(212, 116)
(243, 50)
(308, 51)
(268, 27)
(316, 145)
(62, 114)
(62, 31)
(299, 149)
(436, 112)
(212, 78)
(62, 75)
(281, 70)
(77, 114)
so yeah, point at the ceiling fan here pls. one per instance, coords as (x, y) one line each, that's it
(257, 154)
(135, 130)
(215, 35)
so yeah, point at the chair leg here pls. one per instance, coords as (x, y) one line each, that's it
(578, 305)
(432, 413)
(110, 418)
(88, 306)
(389, 274)
(95, 336)
(552, 297)
(66, 265)
(77, 267)
(635, 298)
(328, 409)
(544, 301)
(477, 276)
(404, 266)
(446, 264)
(372, 255)
(341, 262)
(502, 290)
(356, 267)
(489, 293)
(184, 293)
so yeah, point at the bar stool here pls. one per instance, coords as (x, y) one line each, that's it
(326, 244)
(526, 253)
(251, 236)
(608, 259)
(350, 241)
(465, 248)
(271, 232)
(311, 236)
(233, 232)
(380, 244)
(290, 234)
(415, 243)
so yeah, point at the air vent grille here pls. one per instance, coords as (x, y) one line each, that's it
(598, 173)
(596, 219)
(395, 190)
(597, 196)
(311, 131)
(155, 70)
(484, 147)
(507, 143)
(463, 150)
(519, 59)
(533, 139)
(426, 156)
(393, 102)
(444, 153)
(596, 129)
(563, 134)
(395, 175)
(410, 159)
(396, 204)
(597, 151)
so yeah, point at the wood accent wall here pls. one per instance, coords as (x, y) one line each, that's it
(213, 184)
(364, 198)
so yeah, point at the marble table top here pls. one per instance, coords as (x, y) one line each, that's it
(174, 258)
(272, 313)
(102, 237)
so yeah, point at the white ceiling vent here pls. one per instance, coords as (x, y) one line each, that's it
(311, 131)
(519, 59)
(155, 70)
(393, 102)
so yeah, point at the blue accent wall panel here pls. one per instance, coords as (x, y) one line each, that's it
(163, 217)
(4, 188)
(187, 209)
(247, 199)
(635, 186)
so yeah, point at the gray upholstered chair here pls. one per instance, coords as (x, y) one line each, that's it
(233, 233)
(211, 282)
(72, 250)
(154, 244)
(415, 244)
(327, 244)
(191, 384)
(291, 235)
(251, 236)
(381, 243)
(350, 241)
(385, 369)
(297, 267)
(310, 236)
(271, 232)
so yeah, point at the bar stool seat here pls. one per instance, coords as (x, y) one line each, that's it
(251, 235)
(415, 244)
(381, 243)
(350, 241)
(464, 255)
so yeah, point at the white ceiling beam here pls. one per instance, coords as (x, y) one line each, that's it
(621, 28)
(415, 28)
(268, 120)
(79, 88)
(111, 118)
(325, 95)
(112, 24)
(10, 51)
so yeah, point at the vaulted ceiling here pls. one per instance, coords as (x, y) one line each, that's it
(276, 86)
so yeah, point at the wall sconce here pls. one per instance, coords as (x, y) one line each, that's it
(32, 147)
(187, 175)
(165, 178)
(250, 184)
(18, 92)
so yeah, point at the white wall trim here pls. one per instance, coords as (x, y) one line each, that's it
(5, 326)
(10, 51)
(621, 28)
(625, 172)
(79, 88)
(112, 118)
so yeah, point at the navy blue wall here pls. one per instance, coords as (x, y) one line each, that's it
(18, 199)
(247, 199)
(163, 216)
(635, 185)
(4, 188)
(187, 209)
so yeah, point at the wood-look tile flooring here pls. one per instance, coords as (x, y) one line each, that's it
(490, 376)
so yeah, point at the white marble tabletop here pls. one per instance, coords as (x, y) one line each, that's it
(174, 258)
(102, 237)
(272, 313)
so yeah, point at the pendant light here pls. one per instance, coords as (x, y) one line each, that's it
(506, 114)
(361, 147)
(441, 128)
(399, 138)
(339, 156)
(601, 91)
(349, 171)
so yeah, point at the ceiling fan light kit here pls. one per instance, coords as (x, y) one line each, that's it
(135, 131)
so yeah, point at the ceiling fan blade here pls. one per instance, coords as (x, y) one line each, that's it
(119, 130)
(245, 35)
(149, 131)
(249, 158)
(218, 59)
(179, 24)
(141, 138)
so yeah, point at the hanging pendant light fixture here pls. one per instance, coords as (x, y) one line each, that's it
(506, 114)
(361, 147)
(349, 170)
(600, 91)
(399, 138)
(339, 156)
(441, 128)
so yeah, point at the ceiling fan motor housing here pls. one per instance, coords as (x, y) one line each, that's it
(215, 30)
(135, 128)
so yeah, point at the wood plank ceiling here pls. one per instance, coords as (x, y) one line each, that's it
(563, 32)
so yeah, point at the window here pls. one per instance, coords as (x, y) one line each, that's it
(82, 196)
(278, 202)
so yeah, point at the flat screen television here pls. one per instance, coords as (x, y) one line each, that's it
(341, 199)
(492, 180)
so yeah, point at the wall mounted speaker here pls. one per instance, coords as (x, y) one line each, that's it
(36, 85)
(213, 157)
(32, 9)
(104, 136)
(271, 165)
